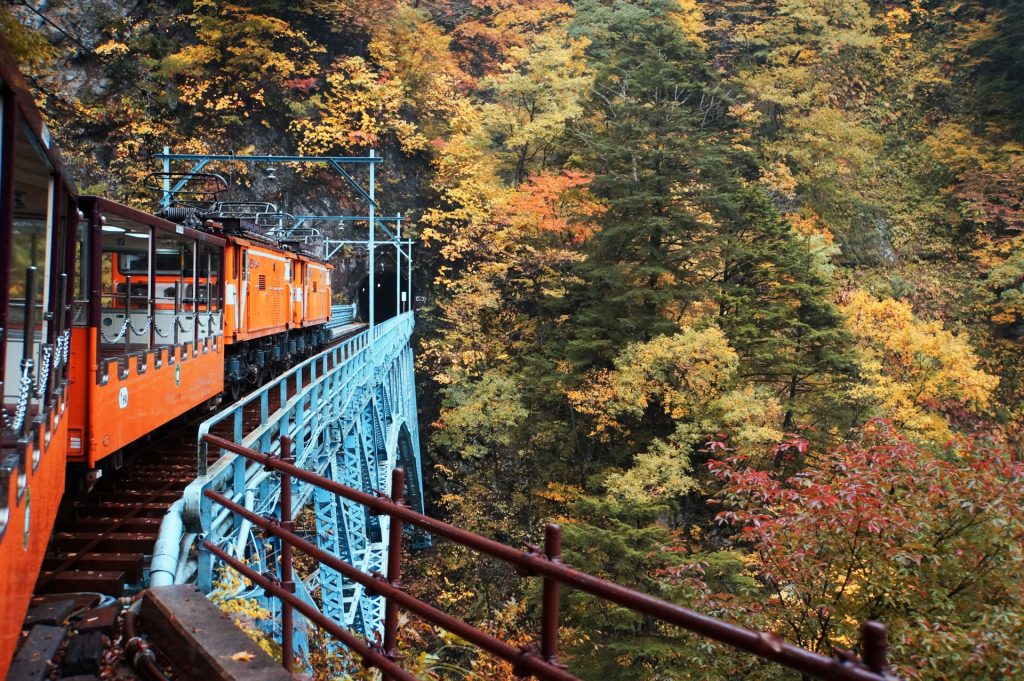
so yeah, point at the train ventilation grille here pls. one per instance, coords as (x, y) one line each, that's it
(263, 282)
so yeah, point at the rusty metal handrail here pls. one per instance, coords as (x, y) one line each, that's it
(546, 564)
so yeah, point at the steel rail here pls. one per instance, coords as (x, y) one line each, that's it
(377, 659)
(525, 660)
(534, 563)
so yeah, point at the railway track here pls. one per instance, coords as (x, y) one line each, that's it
(103, 538)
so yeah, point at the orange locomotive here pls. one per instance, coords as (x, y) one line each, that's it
(113, 322)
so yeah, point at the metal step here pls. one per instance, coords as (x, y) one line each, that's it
(92, 510)
(95, 525)
(101, 581)
(116, 542)
(134, 498)
(128, 563)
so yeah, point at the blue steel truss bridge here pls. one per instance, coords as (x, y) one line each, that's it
(350, 413)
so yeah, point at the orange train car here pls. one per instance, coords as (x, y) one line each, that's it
(147, 342)
(167, 317)
(38, 219)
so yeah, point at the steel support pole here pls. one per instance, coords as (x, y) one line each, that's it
(398, 270)
(151, 303)
(287, 580)
(166, 201)
(8, 129)
(195, 295)
(127, 316)
(372, 246)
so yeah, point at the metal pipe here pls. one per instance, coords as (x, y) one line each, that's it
(164, 565)
(165, 201)
(28, 344)
(29, 322)
(371, 245)
(128, 314)
(60, 324)
(8, 131)
(183, 550)
(138, 649)
(166, 155)
(243, 530)
(151, 285)
(195, 295)
(312, 614)
(177, 308)
(764, 644)
(398, 271)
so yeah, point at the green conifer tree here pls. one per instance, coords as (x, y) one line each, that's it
(687, 229)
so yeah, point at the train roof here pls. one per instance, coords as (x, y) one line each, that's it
(106, 205)
(17, 92)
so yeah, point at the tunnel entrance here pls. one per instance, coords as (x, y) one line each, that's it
(384, 298)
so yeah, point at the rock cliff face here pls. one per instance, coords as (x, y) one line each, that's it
(129, 78)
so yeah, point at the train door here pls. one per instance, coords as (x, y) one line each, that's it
(244, 295)
(297, 273)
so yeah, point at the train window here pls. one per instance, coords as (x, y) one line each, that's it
(80, 294)
(29, 269)
(175, 289)
(209, 273)
(169, 261)
(125, 287)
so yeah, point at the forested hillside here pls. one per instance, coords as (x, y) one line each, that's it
(733, 290)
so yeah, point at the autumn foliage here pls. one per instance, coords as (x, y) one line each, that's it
(929, 542)
(764, 254)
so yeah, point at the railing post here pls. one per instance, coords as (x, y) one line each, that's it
(287, 581)
(394, 568)
(28, 345)
(177, 312)
(128, 315)
(875, 646)
(549, 602)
